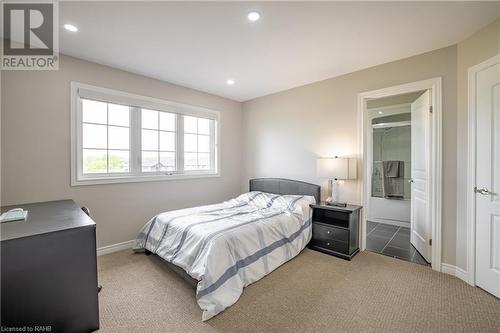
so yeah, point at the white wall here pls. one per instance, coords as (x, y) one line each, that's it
(35, 142)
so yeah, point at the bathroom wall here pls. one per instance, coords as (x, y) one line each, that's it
(391, 144)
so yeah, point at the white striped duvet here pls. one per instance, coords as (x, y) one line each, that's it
(230, 245)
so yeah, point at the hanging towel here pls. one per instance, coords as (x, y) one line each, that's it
(393, 186)
(391, 168)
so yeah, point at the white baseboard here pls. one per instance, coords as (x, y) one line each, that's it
(455, 271)
(115, 247)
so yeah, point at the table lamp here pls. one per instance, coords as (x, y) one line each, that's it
(336, 168)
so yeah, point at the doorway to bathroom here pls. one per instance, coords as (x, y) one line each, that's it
(400, 197)
(389, 217)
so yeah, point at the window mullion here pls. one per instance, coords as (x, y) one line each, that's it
(212, 145)
(79, 138)
(107, 137)
(179, 143)
(158, 165)
(135, 140)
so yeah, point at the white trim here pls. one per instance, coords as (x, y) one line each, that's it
(142, 179)
(133, 100)
(471, 167)
(455, 271)
(394, 124)
(122, 97)
(388, 110)
(435, 85)
(115, 247)
(390, 222)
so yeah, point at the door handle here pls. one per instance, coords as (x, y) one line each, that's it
(410, 180)
(483, 191)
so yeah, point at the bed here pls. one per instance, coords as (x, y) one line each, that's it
(224, 247)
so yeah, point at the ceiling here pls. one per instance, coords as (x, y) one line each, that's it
(201, 45)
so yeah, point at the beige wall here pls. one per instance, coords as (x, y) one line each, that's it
(286, 132)
(481, 46)
(36, 148)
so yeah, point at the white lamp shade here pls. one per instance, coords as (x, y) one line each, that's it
(337, 168)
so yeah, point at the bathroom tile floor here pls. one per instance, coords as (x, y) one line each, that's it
(392, 241)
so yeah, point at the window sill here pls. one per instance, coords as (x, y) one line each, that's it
(138, 179)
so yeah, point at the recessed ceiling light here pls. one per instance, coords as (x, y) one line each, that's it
(230, 82)
(253, 16)
(380, 112)
(70, 27)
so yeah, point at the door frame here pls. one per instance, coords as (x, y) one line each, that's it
(435, 177)
(471, 166)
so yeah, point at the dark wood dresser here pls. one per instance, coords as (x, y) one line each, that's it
(49, 270)
(336, 230)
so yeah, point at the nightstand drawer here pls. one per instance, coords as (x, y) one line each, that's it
(332, 244)
(323, 232)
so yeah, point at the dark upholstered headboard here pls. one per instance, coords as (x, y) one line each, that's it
(285, 186)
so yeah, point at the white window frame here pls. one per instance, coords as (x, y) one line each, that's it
(81, 90)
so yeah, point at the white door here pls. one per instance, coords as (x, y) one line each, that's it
(421, 230)
(488, 178)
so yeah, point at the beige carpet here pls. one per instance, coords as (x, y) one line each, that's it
(312, 293)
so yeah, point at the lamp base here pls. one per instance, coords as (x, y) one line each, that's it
(330, 202)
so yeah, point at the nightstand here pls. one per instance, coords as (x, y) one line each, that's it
(336, 230)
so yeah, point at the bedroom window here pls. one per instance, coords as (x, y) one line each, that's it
(120, 137)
